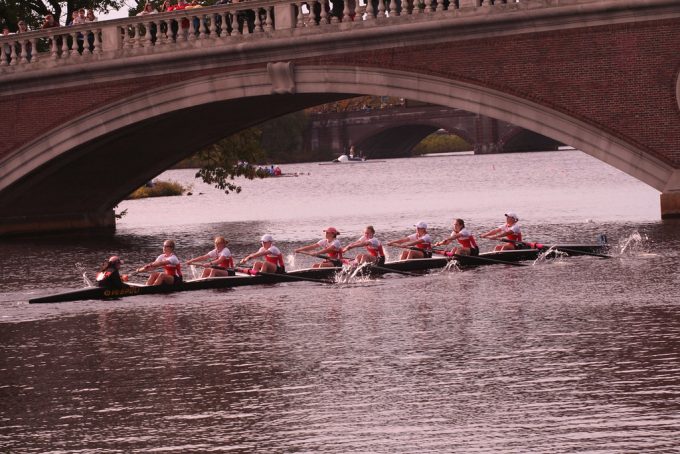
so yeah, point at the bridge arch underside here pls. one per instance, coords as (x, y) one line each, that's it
(88, 165)
(394, 142)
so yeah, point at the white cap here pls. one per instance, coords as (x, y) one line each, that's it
(420, 225)
(267, 238)
(512, 214)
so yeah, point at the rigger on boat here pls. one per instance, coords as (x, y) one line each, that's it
(271, 270)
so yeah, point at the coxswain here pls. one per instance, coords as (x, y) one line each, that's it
(376, 254)
(417, 245)
(273, 257)
(466, 241)
(172, 270)
(328, 246)
(509, 231)
(218, 262)
(109, 275)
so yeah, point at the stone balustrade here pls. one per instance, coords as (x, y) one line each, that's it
(228, 24)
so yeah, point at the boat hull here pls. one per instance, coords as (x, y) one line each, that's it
(321, 275)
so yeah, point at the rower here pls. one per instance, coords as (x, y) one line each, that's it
(468, 245)
(373, 246)
(109, 274)
(510, 231)
(329, 246)
(172, 271)
(273, 258)
(417, 245)
(219, 261)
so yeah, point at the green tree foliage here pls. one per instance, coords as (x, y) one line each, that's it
(230, 158)
(441, 143)
(34, 11)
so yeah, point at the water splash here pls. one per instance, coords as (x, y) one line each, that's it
(194, 272)
(550, 253)
(452, 266)
(86, 280)
(632, 245)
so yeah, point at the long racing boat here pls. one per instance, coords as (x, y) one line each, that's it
(326, 275)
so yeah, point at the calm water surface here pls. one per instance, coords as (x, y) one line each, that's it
(574, 355)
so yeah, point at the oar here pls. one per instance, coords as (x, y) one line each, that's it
(294, 278)
(321, 256)
(481, 259)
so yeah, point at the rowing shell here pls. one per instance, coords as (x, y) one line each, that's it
(312, 274)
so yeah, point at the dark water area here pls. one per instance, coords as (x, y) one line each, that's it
(578, 354)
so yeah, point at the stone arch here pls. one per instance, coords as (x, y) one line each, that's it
(313, 85)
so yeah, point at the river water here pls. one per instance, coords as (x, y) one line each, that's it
(574, 355)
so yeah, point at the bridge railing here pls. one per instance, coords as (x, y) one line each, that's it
(225, 25)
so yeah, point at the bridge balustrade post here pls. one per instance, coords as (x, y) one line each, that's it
(191, 36)
(381, 8)
(468, 4)
(22, 48)
(269, 22)
(416, 7)
(323, 16)
(201, 27)
(370, 12)
(258, 21)
(213, 26)
(34, 55)
(13, 54)
(428, 6)
(393, 8)
(346, 13)
(300, 15)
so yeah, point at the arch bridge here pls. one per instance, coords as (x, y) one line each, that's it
(93, 111)
(396, 130)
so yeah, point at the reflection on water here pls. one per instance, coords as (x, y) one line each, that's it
(571, 355)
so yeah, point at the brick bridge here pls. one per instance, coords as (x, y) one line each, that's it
(93, 111)
(393, 132)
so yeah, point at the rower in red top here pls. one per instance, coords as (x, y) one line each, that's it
(466, 241)
(373, 246)
(172, 272)
(417, 245)
(510, 230)
(329, 246)
(273, 257)
(219, 262)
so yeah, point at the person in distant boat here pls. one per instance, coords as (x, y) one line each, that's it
(510, 231)
(273, 257)
(109, 275)
(417, 245)
(466, 241)
(172, 270)
(329, 246)
(218, 262)
(376, 254)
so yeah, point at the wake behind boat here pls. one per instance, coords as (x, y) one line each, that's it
(325, 275)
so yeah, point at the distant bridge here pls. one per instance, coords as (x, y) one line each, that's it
(395, 131)
(93, 111)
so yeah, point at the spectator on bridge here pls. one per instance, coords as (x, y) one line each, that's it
(49, 22)
(23, 29)
(90, 17)
(7, 49)
(148, 9)
(167, 6)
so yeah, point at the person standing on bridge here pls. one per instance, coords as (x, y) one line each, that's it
(509, 231)
(468, 245)
(172, 271)
(417, 245)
